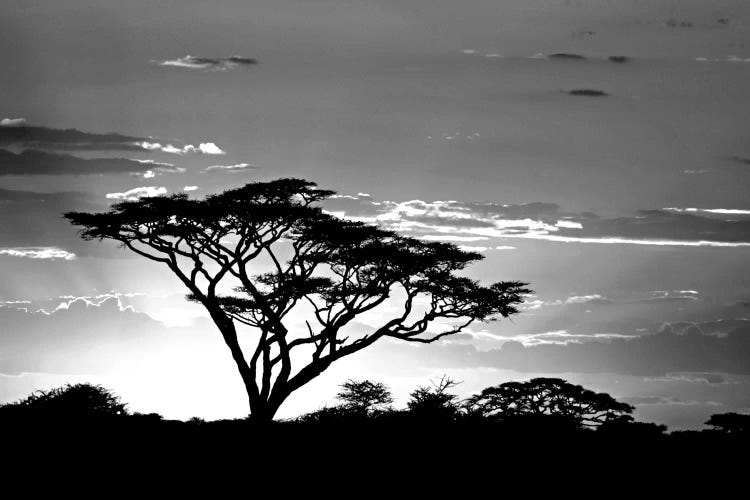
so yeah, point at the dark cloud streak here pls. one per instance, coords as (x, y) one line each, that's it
(33, 162)
(27, 137)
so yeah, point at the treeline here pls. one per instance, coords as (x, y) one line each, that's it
(539, 404)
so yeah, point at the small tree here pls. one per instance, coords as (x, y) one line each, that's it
(365, 396)
(547, 397)
(435, 403)
(263, 253)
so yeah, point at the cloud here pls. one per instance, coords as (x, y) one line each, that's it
(472, 248)
(696, 378)
(457, 221)
(24, 136)
(567, 56)
(33, 162)
(453, 238)
(561, 337)
(73, 338)
(139, 192)
(587, 299)
(665, 400)
(588, 92)
(659, 354)
(239, 167)
(532, 303)
(206, 148)
(209, 63)
(12, 122)
(158, 168)
(42, 253)
(719, 211)
(190, 188)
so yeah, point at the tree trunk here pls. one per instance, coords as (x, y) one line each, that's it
(263, 411)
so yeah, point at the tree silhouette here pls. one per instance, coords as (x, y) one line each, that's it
(278, 252)
(78, 400)
(365, 396)
(548, 397)
(731, 423)
(434, 403)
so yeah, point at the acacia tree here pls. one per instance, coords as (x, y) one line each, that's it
(548, 396)
(365, 396)
(265, 254)
(435, 403)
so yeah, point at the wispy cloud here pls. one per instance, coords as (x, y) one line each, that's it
(666, 400)
(239, 167)
(473, 248)
(158, 168)
(209, 63)
(137, 193)
(720, 211)
(206, 148)
(472, 221)
(12, 122)
(44, 253)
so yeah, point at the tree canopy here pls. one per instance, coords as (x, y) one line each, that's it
(365, 395)
(265, 255)
(548, 397)
(434, 402)
(731, 423)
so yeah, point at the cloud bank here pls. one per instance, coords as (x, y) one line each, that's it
(471, 221)
(671, 350)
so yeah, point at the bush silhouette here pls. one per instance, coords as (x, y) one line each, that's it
(69, 401)
(365, 396)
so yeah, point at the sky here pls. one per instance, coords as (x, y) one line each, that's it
(596, 149)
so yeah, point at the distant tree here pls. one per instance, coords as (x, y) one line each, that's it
(284, 257)
(435, 402)
(148, 417)
(547, 397)
(731, 423)
(78, 400)
(365, 396)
